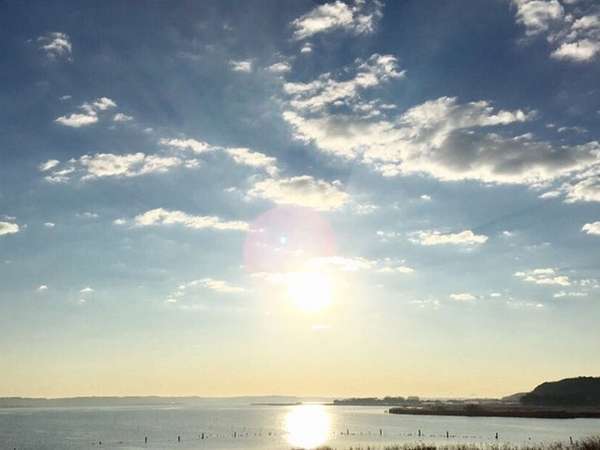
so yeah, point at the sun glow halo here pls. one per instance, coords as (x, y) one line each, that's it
(310, 291)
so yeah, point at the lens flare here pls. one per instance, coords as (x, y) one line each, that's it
(307, 426)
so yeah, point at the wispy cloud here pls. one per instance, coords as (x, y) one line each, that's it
(187, 144)
(280, 67)
(302, 191)
(358, 18)
(56, 45)
(591, 228)
(219, 286)
(463, 297)
(574, 35)
(8, 228)
(89, 114)
(102, 165)
(429, 237)
(241, 66)
(247, 157)
(325, 90)
(545, 276)
(120, 117)
(160, 216)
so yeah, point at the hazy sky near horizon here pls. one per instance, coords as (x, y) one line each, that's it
(298, 197)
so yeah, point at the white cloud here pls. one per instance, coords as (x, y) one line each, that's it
(463, 297)
(583, 50)
(397, 269)
(538, 15)
(56, 45)
(88, 215)
(89, 115)
(466, 237)
(220, 286)
(306, 48)
(358, 18)
(280, 67)
(446, 140)
(128, 165)
(162, 216)
(302, 191)
(50, 164)
(550, 194)
(584, 190)
(42, 288)
(120, 117)
(545, 276)
(119, 222)
(101, 165)
(591, 228)
(187, 144)
(326, 91)
(425, 198)
(259, 160)
(77, 120)
(100, 104)
(86, 290)
(562, 294)
(8, 228)
(573, 35)
(241, 66)
(49, 225)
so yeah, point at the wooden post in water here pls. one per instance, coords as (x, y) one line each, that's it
(179, 439)
(496, 435)
(571, 439)
(145, 439)
(419, 433)
(447, 434)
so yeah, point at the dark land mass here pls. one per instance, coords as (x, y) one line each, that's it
(564, 399)
(470, 410)
(582, 391)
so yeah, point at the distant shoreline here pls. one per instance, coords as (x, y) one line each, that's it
(516, 412)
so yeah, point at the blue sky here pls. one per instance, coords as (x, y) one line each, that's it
(347, 197)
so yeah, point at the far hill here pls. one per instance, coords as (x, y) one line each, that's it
(581, 391)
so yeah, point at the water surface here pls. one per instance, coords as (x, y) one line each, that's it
(265, 427)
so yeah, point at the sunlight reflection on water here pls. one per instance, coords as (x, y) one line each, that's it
(307, 426)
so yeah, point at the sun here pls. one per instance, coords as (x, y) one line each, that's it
(310, 291)
(307, 426)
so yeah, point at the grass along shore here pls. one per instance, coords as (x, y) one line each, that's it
(591, 443)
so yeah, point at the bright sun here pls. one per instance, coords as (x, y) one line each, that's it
(307, 426)
(310, 291)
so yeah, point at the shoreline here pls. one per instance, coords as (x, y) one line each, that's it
(498, 412)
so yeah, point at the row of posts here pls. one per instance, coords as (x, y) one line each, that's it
(419, 434)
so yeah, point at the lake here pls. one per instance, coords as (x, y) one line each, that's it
(228, 426)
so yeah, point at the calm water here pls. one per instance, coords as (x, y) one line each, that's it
(264, 427)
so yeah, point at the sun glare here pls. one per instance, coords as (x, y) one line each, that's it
(310, 291)
(307, 426)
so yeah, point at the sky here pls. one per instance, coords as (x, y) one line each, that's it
(296, 197)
